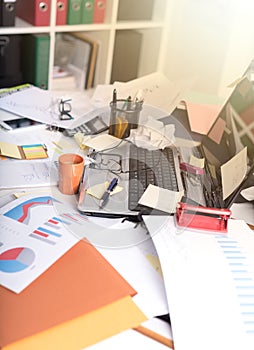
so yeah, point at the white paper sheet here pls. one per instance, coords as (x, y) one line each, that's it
(233, 172)
(43, 106)
(157, 90)
(28, 174)
(33, 237)
(209, 282)
(134, 266)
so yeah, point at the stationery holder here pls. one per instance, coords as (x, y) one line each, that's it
(202, 218)
(124, 116)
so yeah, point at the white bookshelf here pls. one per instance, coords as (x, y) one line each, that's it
(148, 17)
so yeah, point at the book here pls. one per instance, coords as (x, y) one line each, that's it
(62, 79)
(64, 83)
(80, 282)
(35, 59)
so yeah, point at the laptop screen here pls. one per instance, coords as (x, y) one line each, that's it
(230, 141)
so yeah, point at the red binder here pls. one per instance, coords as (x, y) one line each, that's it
(99, 11)
(61, 12)
(35, 12)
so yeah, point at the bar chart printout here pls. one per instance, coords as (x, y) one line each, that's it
(34, 234)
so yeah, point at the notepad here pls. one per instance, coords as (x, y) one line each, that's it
(34, 151)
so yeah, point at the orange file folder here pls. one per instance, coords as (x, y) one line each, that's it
(80, 282)
(85, 330)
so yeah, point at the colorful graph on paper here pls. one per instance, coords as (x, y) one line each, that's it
(241, 270)
(36, 230)
(16, 259)
(22, 212)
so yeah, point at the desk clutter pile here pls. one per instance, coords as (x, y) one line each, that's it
(75, 281)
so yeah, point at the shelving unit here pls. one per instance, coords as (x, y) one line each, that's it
(148, 18)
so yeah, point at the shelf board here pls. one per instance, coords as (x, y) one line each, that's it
(22, 27)
(138, 24)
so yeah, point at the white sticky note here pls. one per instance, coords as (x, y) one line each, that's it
(98, 190)
(198, 162)
(160, 198)
(102, 142)
(233, 172)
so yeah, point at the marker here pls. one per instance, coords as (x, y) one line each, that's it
(106, 194)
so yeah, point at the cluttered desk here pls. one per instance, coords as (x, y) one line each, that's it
(117, 223)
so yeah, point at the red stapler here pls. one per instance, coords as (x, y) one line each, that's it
(202, 218)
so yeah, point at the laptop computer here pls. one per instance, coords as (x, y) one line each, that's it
(231, 138)
(232, 131)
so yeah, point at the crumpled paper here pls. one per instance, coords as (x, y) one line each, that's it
(153, 134)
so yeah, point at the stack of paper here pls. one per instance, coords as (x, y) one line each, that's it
(209, 283)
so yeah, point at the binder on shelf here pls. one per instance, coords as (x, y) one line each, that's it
(7, 13)
(61, 12)
(35, 12)
(74, 12)
(10, 65)
(35, 59)
(99, 11)
(87, 11)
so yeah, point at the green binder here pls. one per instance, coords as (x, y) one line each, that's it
(74, 12)
(35, 59)
(87, 11)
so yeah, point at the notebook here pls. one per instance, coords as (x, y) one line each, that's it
(227, 151)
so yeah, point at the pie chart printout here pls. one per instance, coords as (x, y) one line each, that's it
(16, 259)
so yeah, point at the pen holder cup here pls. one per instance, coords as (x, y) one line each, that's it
(124, 116)
(71, 167)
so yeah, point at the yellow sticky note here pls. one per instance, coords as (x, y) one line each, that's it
(98, 190)
(9, 150)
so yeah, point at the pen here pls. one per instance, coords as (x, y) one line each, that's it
(106, 194)
(113, 105)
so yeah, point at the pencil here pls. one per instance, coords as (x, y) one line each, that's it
(56, 144)
(155, 336)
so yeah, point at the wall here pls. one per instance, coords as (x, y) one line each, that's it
(210, 40)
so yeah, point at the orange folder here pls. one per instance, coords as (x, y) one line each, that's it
(85, 330)
(81, 281)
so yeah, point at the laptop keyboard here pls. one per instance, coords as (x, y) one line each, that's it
(146, 167)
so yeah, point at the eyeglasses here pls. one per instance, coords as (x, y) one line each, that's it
(65, 109)
(109, 162)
